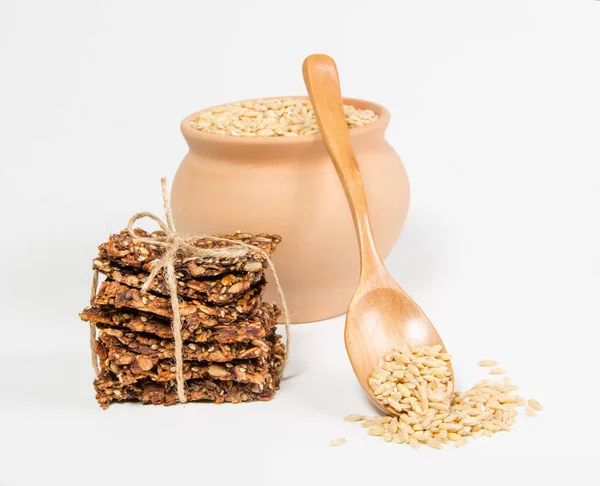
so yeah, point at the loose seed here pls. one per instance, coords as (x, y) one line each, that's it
(354, 418)
(398, 439)
(497, 371)
(337, 442)
(377, 430)
(436, 444)
(535, 404)
(487, 363)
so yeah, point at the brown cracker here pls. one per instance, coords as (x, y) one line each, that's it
(142, 367)
(221, 289)
(153, 347)
(121, 249)
(108, 389)
(259, 325)
(192, 311)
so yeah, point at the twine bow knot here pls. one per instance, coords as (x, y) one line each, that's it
(179, 245)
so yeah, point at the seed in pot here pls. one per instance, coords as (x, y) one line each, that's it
(487, 363)
(271, 118)
(337, 442)
(429, 411)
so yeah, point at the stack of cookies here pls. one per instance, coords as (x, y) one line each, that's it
(231, 352)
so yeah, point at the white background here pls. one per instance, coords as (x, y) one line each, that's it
(496, 113)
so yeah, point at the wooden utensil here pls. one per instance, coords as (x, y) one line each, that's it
(381, 315)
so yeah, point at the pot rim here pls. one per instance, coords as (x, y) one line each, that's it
(191, 133)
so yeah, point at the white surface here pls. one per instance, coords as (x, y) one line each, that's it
(495, 110)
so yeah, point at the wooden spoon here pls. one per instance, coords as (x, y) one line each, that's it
(381, 315)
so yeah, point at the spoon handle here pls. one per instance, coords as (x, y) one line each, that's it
(323, 85)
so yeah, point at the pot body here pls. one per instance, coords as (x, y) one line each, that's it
(289, 186)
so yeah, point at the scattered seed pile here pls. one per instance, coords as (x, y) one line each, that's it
(271, 118)
(415, 382)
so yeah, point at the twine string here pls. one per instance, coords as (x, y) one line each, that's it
(93, 325)
(183, 246)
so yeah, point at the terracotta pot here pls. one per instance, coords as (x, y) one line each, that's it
(288, 186)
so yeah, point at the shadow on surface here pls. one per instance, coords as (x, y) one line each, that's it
(298, 360)
(51, 381)
(335, 393)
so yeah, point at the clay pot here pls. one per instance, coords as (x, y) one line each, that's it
(288, 186)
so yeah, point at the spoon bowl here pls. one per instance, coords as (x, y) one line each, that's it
(381, 316)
